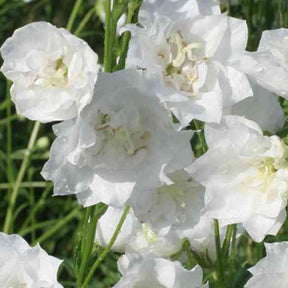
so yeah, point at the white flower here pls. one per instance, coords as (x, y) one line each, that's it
(246, 176)
(24, 266)
(176, 206)
(178, 214)
(175, 215)
(166, 229)
(263, 108)
(270, 61)
(141, 271)
(271, 271)
(53, 72)
(118, 145)
(134, 235)
(171, 216)
(196, 61)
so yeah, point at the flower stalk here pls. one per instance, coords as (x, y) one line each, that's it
(20, 176)
(73, 15)
(92, 215)
(107, 249)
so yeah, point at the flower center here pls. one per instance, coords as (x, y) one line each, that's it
(129, 140)
(180, 194)
(55, 74)
(181, 62)
(265, 173)
(266, 177)
(149, 235)
(177, 191)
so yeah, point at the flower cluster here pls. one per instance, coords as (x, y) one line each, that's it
(125, 138)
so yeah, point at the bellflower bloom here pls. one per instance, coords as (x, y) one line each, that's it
(246, 176)
(172, 216)
(176, 206)
(271, 271)
(195, 60)
(134, 235)
(150, 271)
(270, 67)
(119, 145)
(53, 72)
(25, 266)
(175, 215)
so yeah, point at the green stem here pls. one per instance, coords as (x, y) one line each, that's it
(24, 232)
(90, 224)
(84, 21)
(107, 48)
(31, 197)
(229, 6)
(125, 43)
(20, 154)
(227, 240)
(5, 186)
(201, 136)
(86, 239)
(220, 268)
(112, 44)
(107, 249)
(187, 249)
(9, 119)
(10, 174)
(12, 202)
(38, 205)
(58, 226)
(232, 255)
(73, 14)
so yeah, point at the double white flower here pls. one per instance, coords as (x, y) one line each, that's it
(134, 235)
(53, 72)
(23, 266)
(246, 176)
(171, 216)
(119, 145)
(141, 271)
(195, 59)
(176, 214)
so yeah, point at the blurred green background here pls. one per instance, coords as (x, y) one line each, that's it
(55, 222)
